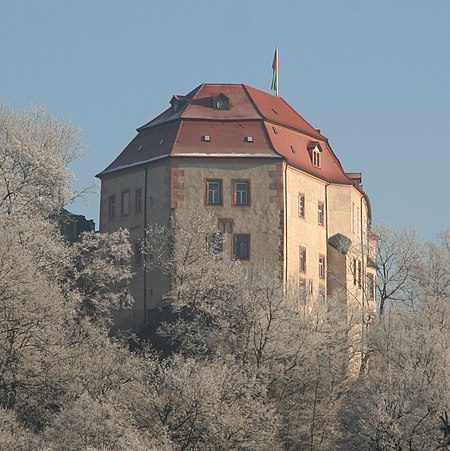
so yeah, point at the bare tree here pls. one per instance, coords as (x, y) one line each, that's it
(398, 255)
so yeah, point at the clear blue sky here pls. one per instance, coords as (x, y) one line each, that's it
(374, 76)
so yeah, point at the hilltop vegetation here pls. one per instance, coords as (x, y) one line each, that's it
(252, 365)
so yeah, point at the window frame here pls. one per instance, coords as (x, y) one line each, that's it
(302, 259)
(321, 213)
(315, 157)
(301, 209)
(138, 198)
(360, 281)
(112, 206)
(222, 224)
(370, 287)
(235, 238)
(125, 194)
(207, 190)
(137, 253)
(322, 266)
(235, 183)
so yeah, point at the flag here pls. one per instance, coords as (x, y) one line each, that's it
(274, 85)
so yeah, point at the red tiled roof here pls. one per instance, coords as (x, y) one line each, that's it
(275, 109)
(147, 145)
(330, 168)
(227, 138)
(250, 113)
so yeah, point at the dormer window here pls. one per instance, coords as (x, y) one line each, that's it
(220, 102)
(316, 158)
(178, 102)
(249, 139)
(315, 150)
(161, 142)
(206, 138)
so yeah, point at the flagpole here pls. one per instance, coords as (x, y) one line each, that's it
(278, 74)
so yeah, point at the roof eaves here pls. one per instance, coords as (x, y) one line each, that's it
(131, 165)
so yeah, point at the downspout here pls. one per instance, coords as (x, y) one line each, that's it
(145, 245)
(285, 190)
(326, 236)
(362, 252)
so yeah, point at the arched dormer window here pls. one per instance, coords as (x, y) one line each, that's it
(220, 102)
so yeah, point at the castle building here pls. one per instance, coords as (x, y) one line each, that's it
(271, 179)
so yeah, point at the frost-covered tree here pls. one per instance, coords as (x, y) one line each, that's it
(404, 401)
(35, 150)
(101, 273)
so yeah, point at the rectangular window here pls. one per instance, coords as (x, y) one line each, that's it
(310, 286)
(138, 200)
(320, 213)
(359, 273)
(137, 253)
(358, 221)
(370, 287)
(301, 205)
(322, 267)
(242, 247)
(225, 225)
(214, 192)
(353, 218)
(302, 259)
(112, 206)
(125, 203)
(241, 192)
(354, 271)
(214, 243)
(302, 288)
(316, 158)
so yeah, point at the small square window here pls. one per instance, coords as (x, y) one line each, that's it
(225, 225)
(214, 192)
(241, 192)
(242, 247)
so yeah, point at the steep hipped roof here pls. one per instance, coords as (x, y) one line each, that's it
(231, 120)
